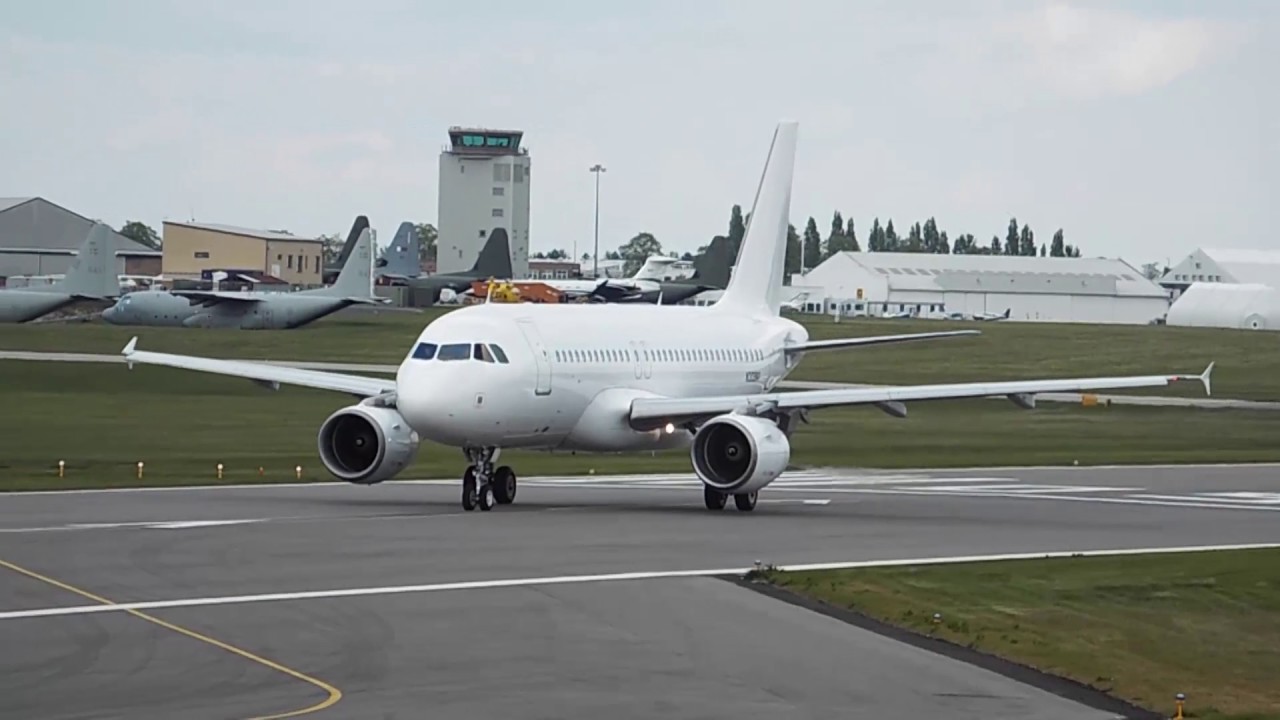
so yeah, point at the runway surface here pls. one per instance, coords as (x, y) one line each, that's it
(1144, 400)
(390, 602)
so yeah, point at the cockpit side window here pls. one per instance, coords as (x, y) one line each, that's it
(480, 352)
(454, 351)
(499, 353)
(424, 351)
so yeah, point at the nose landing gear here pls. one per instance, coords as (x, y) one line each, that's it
(483, 485)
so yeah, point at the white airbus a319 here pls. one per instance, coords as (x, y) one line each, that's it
(615, 378)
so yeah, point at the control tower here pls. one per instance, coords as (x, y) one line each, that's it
(484, 184)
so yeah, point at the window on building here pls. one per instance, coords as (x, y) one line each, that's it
(520, 172)
(497, 212)
(499, 191)
(290, 262)
(502, 172)
(202, 255)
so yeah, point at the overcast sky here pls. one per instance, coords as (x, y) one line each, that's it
(1144, 129)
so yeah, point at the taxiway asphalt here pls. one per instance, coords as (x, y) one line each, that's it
(406, 606)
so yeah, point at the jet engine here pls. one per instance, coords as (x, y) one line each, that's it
(364, 444)
(739, 453)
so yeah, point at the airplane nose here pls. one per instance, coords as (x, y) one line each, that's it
(434, 400)
(109, 314)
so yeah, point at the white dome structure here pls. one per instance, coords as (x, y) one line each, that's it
(1247, 306)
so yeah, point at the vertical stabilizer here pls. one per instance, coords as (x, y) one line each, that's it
(400, 259)
(495, 257)
(655, 268)
(755, 287)
(353, 235)
(355, 280)
(92, 275)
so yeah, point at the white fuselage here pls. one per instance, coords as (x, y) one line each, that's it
(573, 371)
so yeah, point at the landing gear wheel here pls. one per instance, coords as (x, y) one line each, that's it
(746, 502)
(714, 499)
(486, 497)
(469, 496)
(504, 485)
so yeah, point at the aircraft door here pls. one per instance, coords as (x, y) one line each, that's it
(542, 386)
(635, 358)
(646, 356)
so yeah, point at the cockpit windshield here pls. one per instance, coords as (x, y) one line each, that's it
(478, 352)
(454, 351)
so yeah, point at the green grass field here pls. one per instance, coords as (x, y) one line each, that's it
(103, 419)
(1140, 627)
(1248, 363)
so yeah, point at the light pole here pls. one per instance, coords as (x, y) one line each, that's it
(595, 256)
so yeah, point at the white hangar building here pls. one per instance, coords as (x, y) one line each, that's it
(1218, 287)
(1217, 265)
(1246, 306)
(1043, 289)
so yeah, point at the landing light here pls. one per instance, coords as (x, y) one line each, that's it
(669, 428)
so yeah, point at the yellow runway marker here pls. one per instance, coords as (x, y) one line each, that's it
(334, 694)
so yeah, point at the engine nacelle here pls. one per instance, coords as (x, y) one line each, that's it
(739, 453)
(364, 445)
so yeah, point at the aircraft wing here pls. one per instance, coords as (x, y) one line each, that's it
(262, 373)
(213, 297)
(653, 412)
(874, 340)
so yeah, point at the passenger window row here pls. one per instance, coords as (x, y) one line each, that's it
(481, 352)
(661, 355)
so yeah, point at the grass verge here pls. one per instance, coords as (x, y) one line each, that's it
(1141, 628)
(1248, 365)
(103, 419)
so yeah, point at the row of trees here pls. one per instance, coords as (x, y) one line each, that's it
(926, 238)
(809, 248)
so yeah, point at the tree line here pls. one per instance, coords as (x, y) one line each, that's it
(807, 249)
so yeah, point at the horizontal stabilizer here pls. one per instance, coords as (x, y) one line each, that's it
(875, 340)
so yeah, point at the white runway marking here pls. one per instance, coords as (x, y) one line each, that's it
(1250, 498)
(157, 525)
(582, 579)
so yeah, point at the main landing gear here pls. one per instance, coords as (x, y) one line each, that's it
(715, 500)
(483, 484)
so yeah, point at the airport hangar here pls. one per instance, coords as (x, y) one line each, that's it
(194, 251)
(39, 239)
(1039, 289)
(1214, 287)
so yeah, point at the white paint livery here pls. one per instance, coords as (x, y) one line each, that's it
(615, 378)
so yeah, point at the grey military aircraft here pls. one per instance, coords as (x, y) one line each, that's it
(494, 261)
(252, 310)
(330, 274)
(400, 259)
(91, 276)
